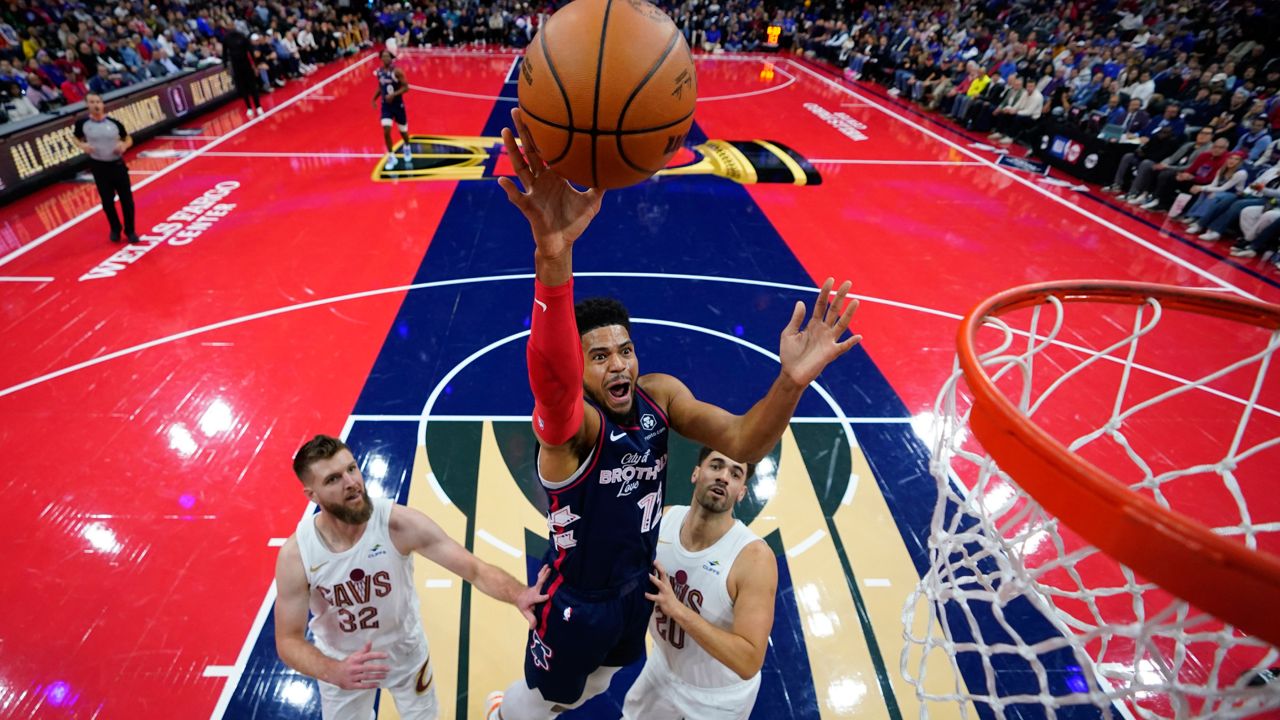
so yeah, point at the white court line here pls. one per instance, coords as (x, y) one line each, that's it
(277, 542)
(187, 137)
(488, 537)
(294, 155)
(836, 161)
(733, 96)
(219, 671)
(807, 543)
(438, 583)
(791, 79)
(877, 582)
(528, 276)
(179, 163)
(510, 78)
(803, 420)
(1034, 187)
(20, 278)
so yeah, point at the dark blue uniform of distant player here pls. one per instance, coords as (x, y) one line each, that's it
(392, 110)
(604, 533)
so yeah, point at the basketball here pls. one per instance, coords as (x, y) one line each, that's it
(607, 91)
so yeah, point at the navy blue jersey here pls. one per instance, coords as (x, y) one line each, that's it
(604, 518)
(388, 83)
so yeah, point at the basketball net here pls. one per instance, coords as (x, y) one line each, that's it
(1051, 442)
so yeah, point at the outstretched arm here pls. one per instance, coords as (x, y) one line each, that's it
(357, 671)
(803, 354)
(412, 531)
(557, 214)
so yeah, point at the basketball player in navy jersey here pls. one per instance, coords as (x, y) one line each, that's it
(392, 86)
(602, 432)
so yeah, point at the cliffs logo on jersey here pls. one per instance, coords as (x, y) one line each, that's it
(377, 551)
(635, 467)
(358, 590)
(557, 522)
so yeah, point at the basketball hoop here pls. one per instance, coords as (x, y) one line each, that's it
(1125, 499)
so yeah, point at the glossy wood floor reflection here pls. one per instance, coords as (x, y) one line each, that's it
(172, 381)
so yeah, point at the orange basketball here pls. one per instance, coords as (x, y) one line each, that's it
(607, 90)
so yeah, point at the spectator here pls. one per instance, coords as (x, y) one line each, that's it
(1218, 220)
(1256, 139)
(1225, 186)
(16, 105)
(43, 95)
(1200, 172)
(1151, 175)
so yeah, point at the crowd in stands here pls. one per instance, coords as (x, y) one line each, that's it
(1189, 86)
(54, 52)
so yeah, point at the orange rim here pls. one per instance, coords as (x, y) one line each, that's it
(1238, 585)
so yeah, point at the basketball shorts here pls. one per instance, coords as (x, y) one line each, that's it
(580, 632)
(659, 694)
(411, 685)
(394, 113)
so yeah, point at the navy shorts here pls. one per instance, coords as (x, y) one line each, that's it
(580, 632)
(394, 112)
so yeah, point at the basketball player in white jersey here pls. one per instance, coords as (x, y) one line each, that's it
(714, 591)
(351, 564)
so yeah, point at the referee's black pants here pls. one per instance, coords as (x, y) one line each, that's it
(112, 179)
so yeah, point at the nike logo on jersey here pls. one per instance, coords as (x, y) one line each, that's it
(617, 436)
(540, 304)
(317, 567)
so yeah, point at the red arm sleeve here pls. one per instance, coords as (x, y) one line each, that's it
(555, 364)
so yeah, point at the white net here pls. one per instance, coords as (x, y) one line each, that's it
(1033, 621)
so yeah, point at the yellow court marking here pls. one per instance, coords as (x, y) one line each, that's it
(844, 678)
(439, 593)
(498, 631)
(875, 550)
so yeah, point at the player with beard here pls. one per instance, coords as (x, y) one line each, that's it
(602, 432)
(351, 564)
(714, 591)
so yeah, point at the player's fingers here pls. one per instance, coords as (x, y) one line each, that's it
(824, 298)
(846, 317)
(833, 310)
(517, 158)
(368, 646)
(531, 619)
(536, 163)
(842, 348)
(652, 598)
(514, 194)
(797, 317)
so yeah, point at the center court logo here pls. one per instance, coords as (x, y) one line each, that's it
(748, 162)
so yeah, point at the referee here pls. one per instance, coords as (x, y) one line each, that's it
(105, 140)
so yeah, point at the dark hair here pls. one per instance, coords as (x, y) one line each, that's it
(705, 451)
(600, 312)
(320, 447)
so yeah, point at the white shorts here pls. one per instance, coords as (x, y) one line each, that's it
(414, 692)
(658, 694)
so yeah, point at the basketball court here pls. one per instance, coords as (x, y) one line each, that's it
(287, 284)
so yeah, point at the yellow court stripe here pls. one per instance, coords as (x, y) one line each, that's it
(844, 677)
(797, 172)
(876, 551)
(498, 631)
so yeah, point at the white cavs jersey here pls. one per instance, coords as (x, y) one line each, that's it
(365, 594)
(700, 581)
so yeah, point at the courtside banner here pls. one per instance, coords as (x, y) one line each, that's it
(33, 156)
